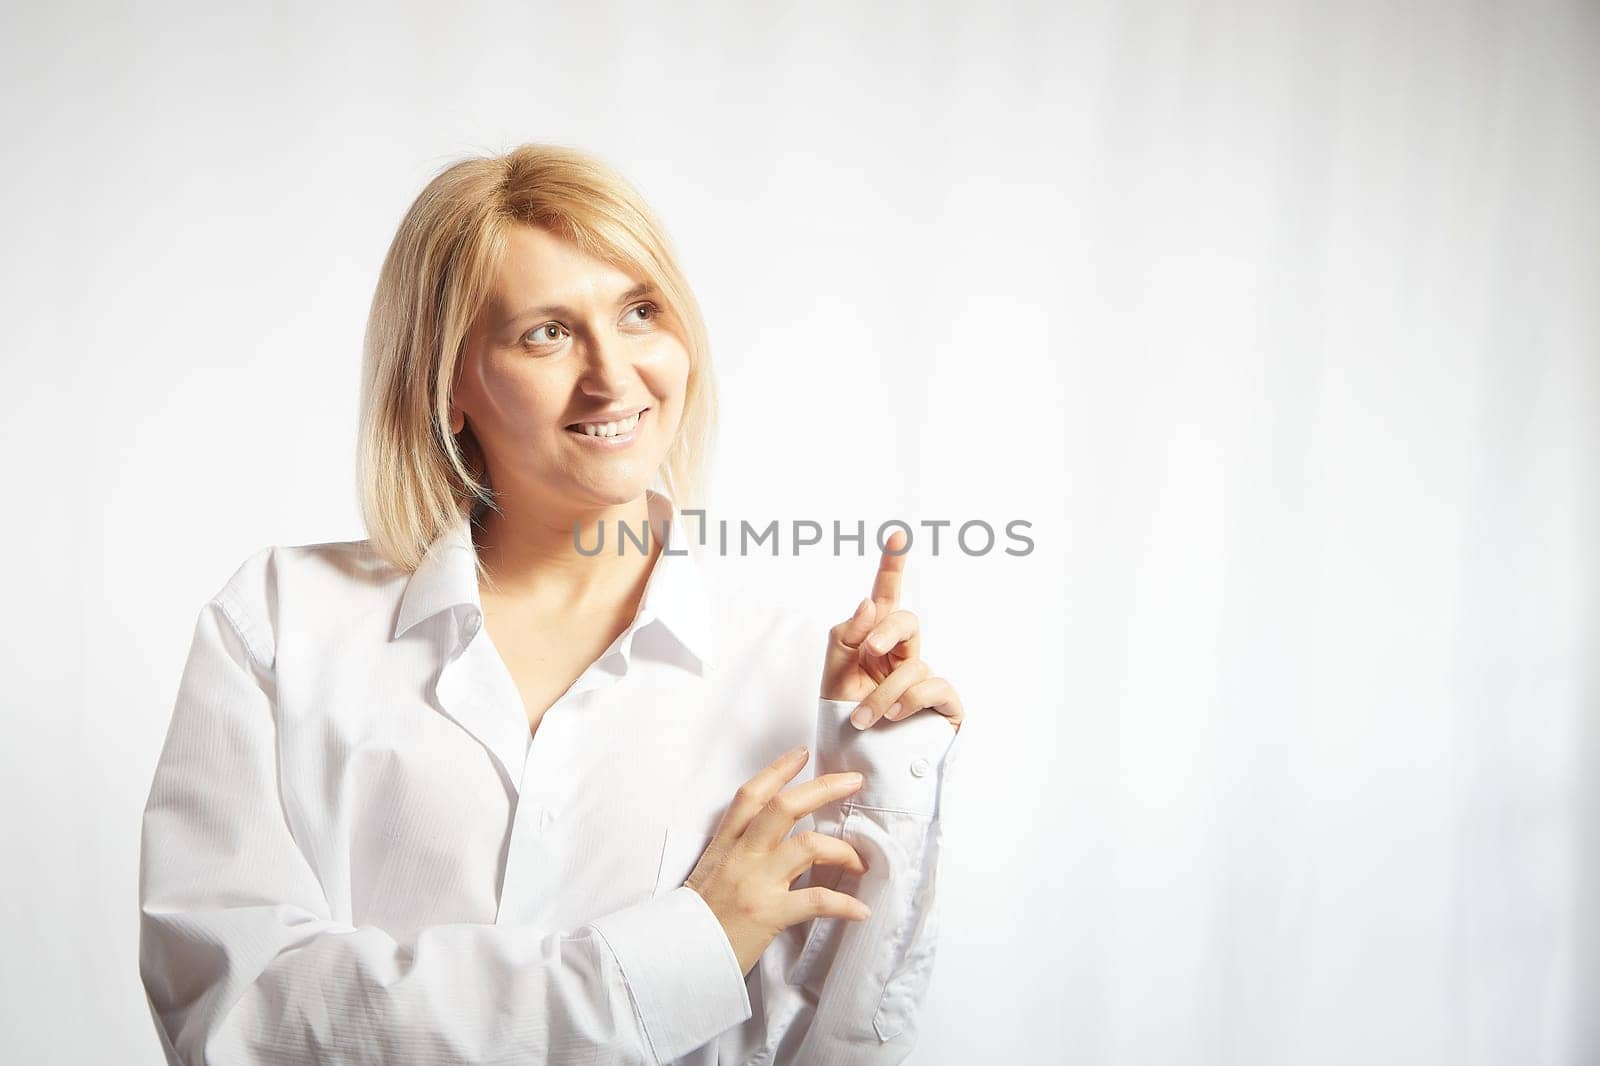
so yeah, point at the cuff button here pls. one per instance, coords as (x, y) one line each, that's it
(919, 767)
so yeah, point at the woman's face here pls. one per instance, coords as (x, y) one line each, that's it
(564, 340)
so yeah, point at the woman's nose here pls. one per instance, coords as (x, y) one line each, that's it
(607, 366)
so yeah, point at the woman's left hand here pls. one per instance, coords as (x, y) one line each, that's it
(874, 656)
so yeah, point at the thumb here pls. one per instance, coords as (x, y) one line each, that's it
(860, 623)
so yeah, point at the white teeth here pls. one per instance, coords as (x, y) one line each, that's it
(609, 429)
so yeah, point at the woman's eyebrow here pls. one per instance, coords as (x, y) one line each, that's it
(644, 288)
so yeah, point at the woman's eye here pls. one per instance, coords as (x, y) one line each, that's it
(553, 331)
(542, 333)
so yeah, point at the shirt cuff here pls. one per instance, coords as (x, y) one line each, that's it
(680, 969)
(902, 762)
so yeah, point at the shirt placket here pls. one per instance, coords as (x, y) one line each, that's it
(531, 883)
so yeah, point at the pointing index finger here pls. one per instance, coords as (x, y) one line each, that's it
(886, 586)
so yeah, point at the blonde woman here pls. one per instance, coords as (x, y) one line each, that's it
(470, 790)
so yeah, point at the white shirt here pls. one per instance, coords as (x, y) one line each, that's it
(355, 849)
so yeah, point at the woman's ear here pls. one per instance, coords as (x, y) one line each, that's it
(457, 420)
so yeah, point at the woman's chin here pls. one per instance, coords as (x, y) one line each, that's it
(611, 488)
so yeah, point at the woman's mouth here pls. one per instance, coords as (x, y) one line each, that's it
(614, 434)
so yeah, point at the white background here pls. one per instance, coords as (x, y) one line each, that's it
(1278, 322)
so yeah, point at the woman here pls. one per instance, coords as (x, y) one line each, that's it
(471, 791)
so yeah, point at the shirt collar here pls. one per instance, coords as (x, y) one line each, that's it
(675, 594)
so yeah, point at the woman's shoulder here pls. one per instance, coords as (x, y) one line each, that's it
(323, 583)
(750, 618)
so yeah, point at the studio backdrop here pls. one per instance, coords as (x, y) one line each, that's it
(1278, 325)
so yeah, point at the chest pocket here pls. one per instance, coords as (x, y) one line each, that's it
(560, 876)
(681, 849)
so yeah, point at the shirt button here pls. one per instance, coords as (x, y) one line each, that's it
(919, 767)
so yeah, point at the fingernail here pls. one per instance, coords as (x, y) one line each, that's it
(861, 716)
(866, 911)
(852, 779)
(793, 753)
(894, 709)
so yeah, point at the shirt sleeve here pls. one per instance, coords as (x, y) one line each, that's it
(857, 986)
(242, 961)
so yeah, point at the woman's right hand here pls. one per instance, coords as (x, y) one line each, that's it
(745, 873)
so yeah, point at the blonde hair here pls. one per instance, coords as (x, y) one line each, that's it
(414, 479)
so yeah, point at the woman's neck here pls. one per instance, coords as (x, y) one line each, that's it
(533, 556)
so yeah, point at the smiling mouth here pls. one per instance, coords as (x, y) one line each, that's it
(619, 428)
